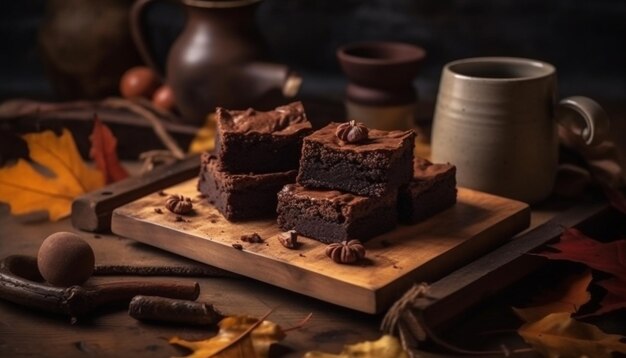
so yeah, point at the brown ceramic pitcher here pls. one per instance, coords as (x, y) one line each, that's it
(214, 62)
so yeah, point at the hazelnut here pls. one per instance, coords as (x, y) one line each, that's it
(179, 204)
(64, 259)
(346, 252)
(352, 132)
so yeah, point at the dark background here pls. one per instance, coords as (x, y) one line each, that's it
(584, 39)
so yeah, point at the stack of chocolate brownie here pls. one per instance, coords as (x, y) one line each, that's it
(256, 154)
(359, 189)
(347, 190)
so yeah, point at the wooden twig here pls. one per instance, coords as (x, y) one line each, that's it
(159, 130)
(19, 284)
(144, 109)
(160, 309)
(179, 271)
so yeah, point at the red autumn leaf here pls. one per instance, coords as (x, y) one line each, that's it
(609, 257)
(103, 152)
(615, 297)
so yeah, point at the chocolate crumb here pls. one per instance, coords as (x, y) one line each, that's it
(179, 218)
(97, 236)
(179, 204)
(394, 266)
(253, 238)
(289, 239)
(238, 246)
(158, 210)
(213, 221)
(162, 193)
(301, 255)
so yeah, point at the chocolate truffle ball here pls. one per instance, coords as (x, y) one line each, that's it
(64, 259)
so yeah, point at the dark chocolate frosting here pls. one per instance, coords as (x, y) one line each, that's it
(377, 139)
(326, 195)
(425, 170)
(282, 120)
(349, 205)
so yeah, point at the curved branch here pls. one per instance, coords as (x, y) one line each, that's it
(19, 284)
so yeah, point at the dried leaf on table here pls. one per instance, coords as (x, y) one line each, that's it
(238, 336)
(103, 152)
(609, 257)
(204, 141)
(615, 297)
(385, 347)
(56, 175)
(569, 297)
(559, 335)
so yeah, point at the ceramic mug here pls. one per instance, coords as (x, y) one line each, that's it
(496, 120)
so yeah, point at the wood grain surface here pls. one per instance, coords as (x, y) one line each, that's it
(422, 252)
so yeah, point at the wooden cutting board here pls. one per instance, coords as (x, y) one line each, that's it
(394, 261)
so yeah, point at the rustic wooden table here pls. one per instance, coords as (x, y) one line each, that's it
(112, 332)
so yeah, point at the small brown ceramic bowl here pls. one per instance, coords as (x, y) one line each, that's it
(380, 63)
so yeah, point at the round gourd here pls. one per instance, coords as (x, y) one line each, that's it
(64, 259)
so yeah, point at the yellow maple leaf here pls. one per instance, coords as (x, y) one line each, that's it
(569, 297)
(385, 347)
(64, 177)
(559, 335)
(204, 141)
(238, 336)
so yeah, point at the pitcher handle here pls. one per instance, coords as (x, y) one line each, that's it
(596, 120)
(139, 38)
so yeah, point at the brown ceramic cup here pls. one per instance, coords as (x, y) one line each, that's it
(380, 91)
(496, 119)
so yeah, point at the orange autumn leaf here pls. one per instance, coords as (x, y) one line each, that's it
(385, 347)
(559, 335)
(103, 152)
(56, 175)
(238, 337)
(569, 297)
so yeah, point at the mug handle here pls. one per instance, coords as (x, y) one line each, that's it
(596, 120)
(139, 38)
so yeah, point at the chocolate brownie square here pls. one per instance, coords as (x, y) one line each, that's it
(252, 141)
(241, 196)
(373, 167)
(334, 216)
(432, 189)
